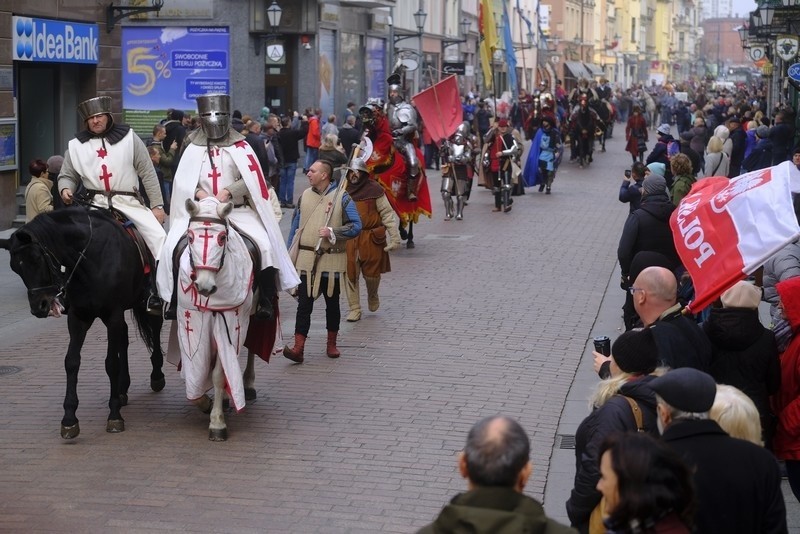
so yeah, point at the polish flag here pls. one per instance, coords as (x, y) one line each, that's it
(440, 108)
(726, 229)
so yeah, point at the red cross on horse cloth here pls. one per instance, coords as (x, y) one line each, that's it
(106, 177)
(255, 168)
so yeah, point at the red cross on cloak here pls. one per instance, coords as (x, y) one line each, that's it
(106, 177)
(256, 168)
(214, 175)
(188, 316)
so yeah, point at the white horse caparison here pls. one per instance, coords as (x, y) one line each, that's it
(215, 300)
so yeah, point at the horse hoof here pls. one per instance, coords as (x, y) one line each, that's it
(115, 426)
(250, 394)
(217, 434)
(204, 404)
(158, 385)
(70, 432)
(123, 399)
(410, 244)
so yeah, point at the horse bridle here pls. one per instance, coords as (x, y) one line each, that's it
(55, 267)
(212, 220)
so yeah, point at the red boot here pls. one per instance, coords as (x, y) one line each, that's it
(296, 353)
(331, 350)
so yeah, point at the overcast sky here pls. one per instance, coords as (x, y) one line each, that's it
(743, 7)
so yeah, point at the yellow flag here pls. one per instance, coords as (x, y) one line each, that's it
(488, 41)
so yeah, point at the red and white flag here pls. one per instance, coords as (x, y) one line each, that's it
(726, 229)
(440, 108)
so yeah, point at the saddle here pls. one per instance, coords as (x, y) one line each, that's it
(148, 262)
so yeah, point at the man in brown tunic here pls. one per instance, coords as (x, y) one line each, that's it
(367, 254)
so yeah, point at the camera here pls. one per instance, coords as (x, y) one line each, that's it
(627, 173)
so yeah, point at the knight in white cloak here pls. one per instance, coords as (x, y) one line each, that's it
(217, 161)
(108, 160)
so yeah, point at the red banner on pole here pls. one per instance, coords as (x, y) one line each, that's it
(440, 108)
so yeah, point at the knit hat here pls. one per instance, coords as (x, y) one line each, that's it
(654, 184)
(742, 295)
(54, 164)
(664, 129)
(635, 352)
(657, 168)
(762, 132)
(686, 389)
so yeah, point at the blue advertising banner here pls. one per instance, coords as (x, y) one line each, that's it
(376, 71)
(54, 41)
(168, 67)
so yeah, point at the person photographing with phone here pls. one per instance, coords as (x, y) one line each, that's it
(631, 189)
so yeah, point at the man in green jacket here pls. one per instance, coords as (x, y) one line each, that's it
(496, 463)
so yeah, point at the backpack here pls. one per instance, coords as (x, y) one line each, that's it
(673, 148)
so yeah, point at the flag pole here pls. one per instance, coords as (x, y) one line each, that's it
(524, 66)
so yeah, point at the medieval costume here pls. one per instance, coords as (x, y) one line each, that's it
(457, 171)
(368, 253)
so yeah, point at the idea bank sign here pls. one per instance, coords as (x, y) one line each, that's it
(54, 41)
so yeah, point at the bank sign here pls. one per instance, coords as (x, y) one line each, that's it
(54, 41)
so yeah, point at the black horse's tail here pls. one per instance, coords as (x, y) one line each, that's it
(149, 327)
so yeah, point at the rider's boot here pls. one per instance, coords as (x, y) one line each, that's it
(266, 294)
(153, 303)
(295, 353)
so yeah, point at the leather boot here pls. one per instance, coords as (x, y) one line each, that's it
(353, 300)
(331, 349)
(295, 353)
(372, 292)
(152, 303)
(266, 293)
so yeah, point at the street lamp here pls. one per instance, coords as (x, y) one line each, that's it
(419, 20)
(115, 14)
(274, 13)
(465, 27)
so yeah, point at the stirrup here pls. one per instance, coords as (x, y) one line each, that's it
(154, 305)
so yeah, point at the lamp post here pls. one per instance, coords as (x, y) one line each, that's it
(274, 13)
(419, 20)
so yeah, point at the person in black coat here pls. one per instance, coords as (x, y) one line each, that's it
(659, 152)
(738, 139)
(744, 354)
(782, 137)
(634, 358)
(737, 483)
(349, 135)
(648, 227)
(176, 132)
(631, 189)
(694, 157)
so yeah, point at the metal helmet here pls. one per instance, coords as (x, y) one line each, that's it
(462, 132)
(370, 110)
(358, 165)
(100, 105)
(395, 88)
(215, 114)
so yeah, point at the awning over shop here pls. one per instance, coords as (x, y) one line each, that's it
(577, 70)
(595, 70)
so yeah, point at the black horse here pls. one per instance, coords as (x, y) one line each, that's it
(85, 259)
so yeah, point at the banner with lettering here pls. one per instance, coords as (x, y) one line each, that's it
(168, 67)
(726, 229)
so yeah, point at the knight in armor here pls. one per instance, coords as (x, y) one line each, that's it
(583, 90)
(108, 160)
(217, 161)
(403, 123)
(457, 152)
(500, 148)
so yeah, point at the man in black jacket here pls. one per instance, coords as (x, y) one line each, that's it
(782, 137)
(349, 135)
(737, 483)
(738, 139)
(289, 137)
(176, 132)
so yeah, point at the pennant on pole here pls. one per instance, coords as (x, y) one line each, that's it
(726, 229)
(440, 108)
(511, 56)
(488, 41)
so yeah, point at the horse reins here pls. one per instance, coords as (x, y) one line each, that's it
(56, 267)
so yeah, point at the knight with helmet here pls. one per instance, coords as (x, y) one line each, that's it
(457, 155)
(403, 123)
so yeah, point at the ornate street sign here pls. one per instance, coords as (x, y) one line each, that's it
(787, 46)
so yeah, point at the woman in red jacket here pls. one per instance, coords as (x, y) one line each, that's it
(636, 134)
(786, 403)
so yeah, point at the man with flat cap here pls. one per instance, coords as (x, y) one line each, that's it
(109, 159)
(737, 483)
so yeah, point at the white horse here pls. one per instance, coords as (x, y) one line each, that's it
(215, 300)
